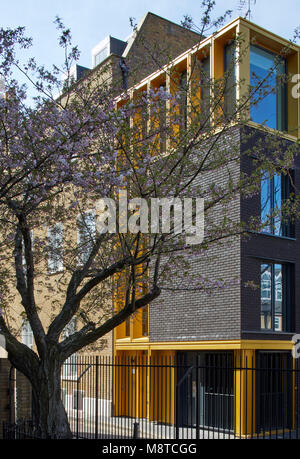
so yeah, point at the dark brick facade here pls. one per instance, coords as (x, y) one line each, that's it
(261, 247)
(191, 316)
(233, 313)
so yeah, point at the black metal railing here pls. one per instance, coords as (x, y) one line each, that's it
(22, 430)
(192, 396)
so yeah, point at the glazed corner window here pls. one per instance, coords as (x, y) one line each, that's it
(269, 102)
(274, 191)
(275, 297)
(55, 255)
(86, 231)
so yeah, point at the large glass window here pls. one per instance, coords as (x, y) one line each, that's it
(274, 191)
(275, 296)
(230, 79)
(268, 106)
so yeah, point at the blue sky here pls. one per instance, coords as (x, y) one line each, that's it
(92, 20)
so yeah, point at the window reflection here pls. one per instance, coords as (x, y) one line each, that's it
(269, 102)
(266, 297)
(230, 79)
(274, 191)
(272, 313)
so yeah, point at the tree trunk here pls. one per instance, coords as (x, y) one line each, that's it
(49, 416)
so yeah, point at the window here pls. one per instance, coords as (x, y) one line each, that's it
(183, 88)
(86, 231)
(230, 79)
(27, 334)
(99, 57)
(275, 296)
(55, 255)
(269, 102)
(162, 122)
(205, 89)
(274, 191)
(23, 248)
(70, 365)
(145, 321)
(127, 327)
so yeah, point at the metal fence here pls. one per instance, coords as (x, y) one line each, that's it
(195, 396)
(23, 430)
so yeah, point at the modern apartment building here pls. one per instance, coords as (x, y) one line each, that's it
(251, 327)
(237, 325)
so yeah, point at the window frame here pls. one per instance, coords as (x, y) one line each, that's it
(284, 89)
(287, 229)
(70, 365)
(55, 260)
(27, 334)
(286, 296)
(81, 223)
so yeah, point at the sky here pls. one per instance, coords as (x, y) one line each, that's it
(92, 20)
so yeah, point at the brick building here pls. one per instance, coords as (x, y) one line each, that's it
(124, 62)
(252, 327)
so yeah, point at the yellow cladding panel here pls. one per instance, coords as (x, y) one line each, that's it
(206, 345)
(244, 393)
(162, 374)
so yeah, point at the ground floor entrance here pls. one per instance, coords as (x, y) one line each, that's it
(275, 391)
(240, 392)
(205, 389)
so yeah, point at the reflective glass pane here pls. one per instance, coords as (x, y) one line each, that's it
(278, 298)
(277, 220)
(230, 90)
(266, 297)
(266, 202)
(269, 101)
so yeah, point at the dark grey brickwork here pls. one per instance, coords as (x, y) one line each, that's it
(233, 313)
(190, 316)
(271, 248)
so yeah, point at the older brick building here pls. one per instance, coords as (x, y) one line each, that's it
(160, 40)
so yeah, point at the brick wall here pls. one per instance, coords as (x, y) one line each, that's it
(4, 391)
(158, 42)
(233, 313)
(265, 247)
(23, 397)
(195, 316)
